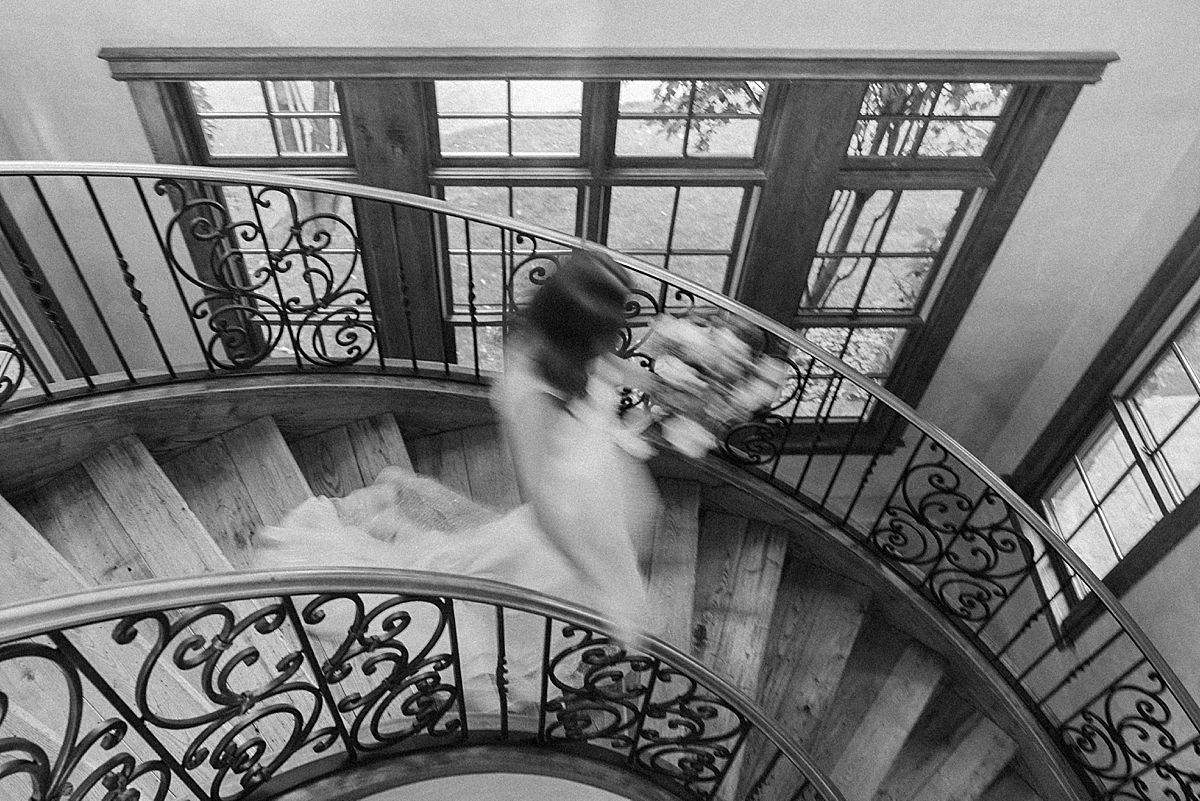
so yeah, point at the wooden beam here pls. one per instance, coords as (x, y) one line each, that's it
(387, 131)
(183, 63)
(819, 118)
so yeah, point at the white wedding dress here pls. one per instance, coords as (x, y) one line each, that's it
(589, 499)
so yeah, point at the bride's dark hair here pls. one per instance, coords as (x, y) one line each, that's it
(575, 316)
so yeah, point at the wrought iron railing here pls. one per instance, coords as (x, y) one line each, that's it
(132, 275)
(245, 685)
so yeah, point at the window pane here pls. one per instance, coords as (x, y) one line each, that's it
(547, 97)
(552, 207)
(1189, 343)
(485, 199)
(546, 136)
(487, 342)
(927, 119)
(663, 137)
(1130, 510)
(722, 137)
(707, 217)
(473, 136)
(1106, 461)
(640, 217)
(1094, 549)
(948, 138)
(1182, 453)
(708, 271)
(896, 284)
(868, 350)
(972, 99)
(301, 95)
(239, 137)
(310, 135)
(487, 273)
(921, 220)
(1165, 396)
(471, 97)
(743, 98)
(1070, 503)
(639, 97)
(218, 96)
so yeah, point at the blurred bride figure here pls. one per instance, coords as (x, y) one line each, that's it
(589, 497)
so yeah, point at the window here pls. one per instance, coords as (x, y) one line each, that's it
(1138, 467)
(857, 201)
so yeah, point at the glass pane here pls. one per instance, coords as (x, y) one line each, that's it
(548, 136)
(884, 137)
(239, 137)
(921, 220)
(868, 350)
(723, 97)
(850, 401)
(856, 221)
(485, 199)
(217, 96)
(1189, 342)
(547, 97)
(707, 217)
(1130, 510)
(722, 137)
(972, 99)
(1070, 503)
(1106, 461)
(1165, 396)
(1093, 547)
(490, 350)
(896, 284)
(951, 138)
(1182, 452)
(471, 97)
(707, 271)
(487, 273)
(640, 217)
(642, 97)
(302, 95)
(908, 99)
(662, 137)
(553, 207)
(473, 136)
(320, 215)
(310, 135)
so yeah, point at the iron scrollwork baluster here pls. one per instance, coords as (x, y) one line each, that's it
(231, 741)
(54, 776)
(412, 678)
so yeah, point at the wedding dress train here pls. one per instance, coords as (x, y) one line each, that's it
(589, 499)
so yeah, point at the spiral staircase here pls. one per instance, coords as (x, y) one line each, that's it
(865, 614)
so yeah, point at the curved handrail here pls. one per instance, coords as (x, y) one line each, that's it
(906, 527)
(305, 593)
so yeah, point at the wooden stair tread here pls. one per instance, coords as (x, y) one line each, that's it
(237, 483)
(668, 561)
(893, 713)
(976, 759)
(474, 461)
(941, 726)
(343, 459)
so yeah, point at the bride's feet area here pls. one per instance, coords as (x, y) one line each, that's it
(401, 500)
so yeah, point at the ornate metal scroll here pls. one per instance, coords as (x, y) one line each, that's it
(392, 645)
(260, 715)
(260, 297)
(1134, 735)
(76, 761)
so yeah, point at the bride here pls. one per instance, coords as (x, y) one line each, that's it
(589, 498)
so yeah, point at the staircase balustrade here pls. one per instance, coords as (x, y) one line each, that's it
(133, 275)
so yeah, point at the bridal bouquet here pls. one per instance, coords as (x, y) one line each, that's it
(709, 380)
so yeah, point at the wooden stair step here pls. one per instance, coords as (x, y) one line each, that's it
(239, 482)
(738, 569)
(1009, 786)
(350, 457)
(473, 461)
(817, 619)
(36, 698)
(945, 719)
(979, 756)
(117, 517)
(881, 734)
(668, 561)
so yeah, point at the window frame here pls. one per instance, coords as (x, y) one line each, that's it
(1046, 83)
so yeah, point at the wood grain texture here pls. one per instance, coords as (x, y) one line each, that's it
(893, 713)
(490, 471)
(328, 464)
(979, 756)
(737, 576)
(947, 717)
(378, 443)
(441, 456)
(669, 561)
